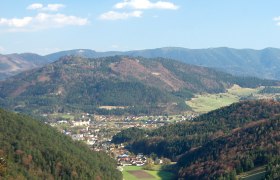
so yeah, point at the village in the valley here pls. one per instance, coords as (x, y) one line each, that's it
(97, 131)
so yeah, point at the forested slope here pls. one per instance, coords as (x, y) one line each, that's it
(219, 144)
(30, 149)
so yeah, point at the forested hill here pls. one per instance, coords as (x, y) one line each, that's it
(259, 63)
(135, 85)
(30, 149)
(223, 142)
(245, 149)
(175, 139)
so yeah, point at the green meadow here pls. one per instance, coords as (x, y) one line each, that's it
(157, 174)
(204, 103)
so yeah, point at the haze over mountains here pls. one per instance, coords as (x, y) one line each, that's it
(242, 62)
(13, 64)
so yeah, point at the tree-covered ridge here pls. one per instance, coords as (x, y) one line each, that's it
(30, 149)
(241, 62)
(175, 139)
(258, 63)
(221, 143)
(142, 86)
(239, 152)
(270, 90)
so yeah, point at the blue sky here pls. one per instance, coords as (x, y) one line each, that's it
(53, 25)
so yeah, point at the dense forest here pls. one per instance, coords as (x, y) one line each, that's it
(173, 140)
(239, 152)
(221, 143)
(29, 149)
(133, 85)
(270, 90)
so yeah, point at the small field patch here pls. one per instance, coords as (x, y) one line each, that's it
(255, 174)
(141, 174)
(113, 107)
(138, 173)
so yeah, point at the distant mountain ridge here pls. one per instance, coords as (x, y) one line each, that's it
(145, 86)
(263, 63)
(242, 62)
(13, 64)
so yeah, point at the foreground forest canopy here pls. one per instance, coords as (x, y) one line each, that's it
(30, 149)
(132, 85)
(220, 144)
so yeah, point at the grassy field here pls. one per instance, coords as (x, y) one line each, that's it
(207, 102)
(157, 175)
(255, 174)
(112, 107)
(63, 116)
(241, 92)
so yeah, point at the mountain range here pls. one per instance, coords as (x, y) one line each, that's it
(263, 63)
(131, 85)
(216, 145)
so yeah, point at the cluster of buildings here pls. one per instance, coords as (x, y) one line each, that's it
(131, 160)
(97, 131)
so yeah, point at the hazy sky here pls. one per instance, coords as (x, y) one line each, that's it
(52, 25)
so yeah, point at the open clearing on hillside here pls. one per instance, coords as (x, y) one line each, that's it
(134, 173)
(63, 116)
(113, 107)
(241, 92)
(255, 174)
(207, 102)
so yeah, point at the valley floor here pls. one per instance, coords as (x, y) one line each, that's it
(138, 173)
(203, 103)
